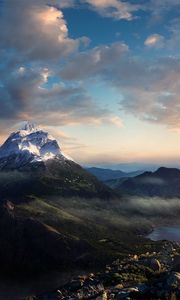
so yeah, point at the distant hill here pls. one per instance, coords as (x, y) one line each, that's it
(129, 166)
(108, 174)
(114, 183)
(165, 182)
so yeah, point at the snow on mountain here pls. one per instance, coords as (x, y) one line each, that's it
(31, 143)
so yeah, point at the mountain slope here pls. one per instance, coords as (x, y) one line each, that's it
(52, 178)
(28, 245)
(165, 182)
(32, 163)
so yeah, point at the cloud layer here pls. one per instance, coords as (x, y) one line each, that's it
(35, 30)
(35, 43)
(150, 88)
(44, 71)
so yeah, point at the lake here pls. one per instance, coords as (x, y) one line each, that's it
(171, 233)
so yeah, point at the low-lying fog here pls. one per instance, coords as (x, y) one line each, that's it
(126, 211)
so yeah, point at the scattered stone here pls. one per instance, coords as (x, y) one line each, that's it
(174, 280)
(119, 286)
(145, 276)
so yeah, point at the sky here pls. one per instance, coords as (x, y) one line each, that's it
(102, 76)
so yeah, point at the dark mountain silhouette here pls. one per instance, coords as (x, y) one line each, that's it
(165, 182)
(108, 174)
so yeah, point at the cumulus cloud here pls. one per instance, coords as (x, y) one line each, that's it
(115, 9)
(37, 30)
(169, 43)
(34, 44)
(150, 88)
(155, 41)
(96, 61)
(25, 96)
(34, 41)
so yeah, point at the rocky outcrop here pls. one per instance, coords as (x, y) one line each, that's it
(145, 276)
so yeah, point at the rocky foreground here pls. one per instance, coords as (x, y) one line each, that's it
(146, 276)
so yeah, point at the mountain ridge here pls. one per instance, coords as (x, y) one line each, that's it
(105, 174)
(164, 182)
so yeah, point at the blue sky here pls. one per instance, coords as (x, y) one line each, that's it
(103, 76)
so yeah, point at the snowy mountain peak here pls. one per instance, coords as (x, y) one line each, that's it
(30, 144)
(29, 127)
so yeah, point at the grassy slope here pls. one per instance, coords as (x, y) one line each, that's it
(100, 223)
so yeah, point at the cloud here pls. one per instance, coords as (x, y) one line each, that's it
(25, 96)
(169, 43)
(34, 43)
(150, 88)
(158, 7)
(35, 30)
(155, 41)
(34, 46)
(126, 10)
(157, 99)
(91, 63)
(174, 40)
(115, 9)
(64, 3)
(153, 206)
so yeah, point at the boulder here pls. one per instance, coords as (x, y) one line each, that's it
(155, 265)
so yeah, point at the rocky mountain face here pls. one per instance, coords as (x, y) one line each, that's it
(152, 275)
(165, 182)
(32, 163)
(28, 145)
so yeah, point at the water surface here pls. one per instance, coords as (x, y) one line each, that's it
(171, 233)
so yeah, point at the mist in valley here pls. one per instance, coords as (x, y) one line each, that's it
(128, 212)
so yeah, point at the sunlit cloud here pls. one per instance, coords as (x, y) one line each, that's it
(115, 9)
(155, 41)
(52, 75)
(41, 30)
